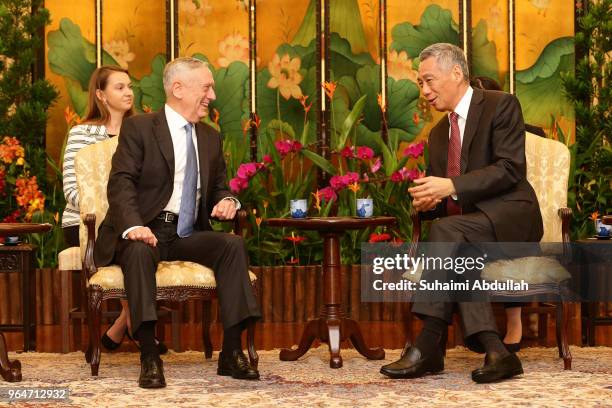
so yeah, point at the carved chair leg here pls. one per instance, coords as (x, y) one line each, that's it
(206, 318)
(253, 356)
(563, 311)
(95, 317)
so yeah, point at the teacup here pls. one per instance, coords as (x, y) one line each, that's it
(11, 240)
(602, 229)
(298, 208)
(365, 207)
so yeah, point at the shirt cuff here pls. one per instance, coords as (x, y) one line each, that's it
(454, 196)
(235, 200)
(127, 231)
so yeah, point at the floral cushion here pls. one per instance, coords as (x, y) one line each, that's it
(92, 165)
(169, 273)
(70, 259)
(548, 164)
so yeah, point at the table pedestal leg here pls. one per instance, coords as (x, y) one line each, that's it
(10, 370)
(332, 327)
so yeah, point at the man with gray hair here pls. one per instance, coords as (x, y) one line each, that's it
(475, 190)
(167, 180)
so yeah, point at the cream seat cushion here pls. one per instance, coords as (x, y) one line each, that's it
(531, 269)
(69, 259)
(169, 273)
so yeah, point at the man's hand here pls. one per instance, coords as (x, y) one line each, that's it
(224, 210)
(425, 204)
(430, 191)
(143, 234)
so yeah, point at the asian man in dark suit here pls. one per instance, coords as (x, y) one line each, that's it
(475, 191)
(167, 180)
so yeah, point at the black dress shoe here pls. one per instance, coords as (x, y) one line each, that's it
(414, 364)
(497, 368)
(161, 347)
(151, 373)
(237, 365)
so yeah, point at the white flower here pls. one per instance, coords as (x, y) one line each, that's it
(194, 12)
(120, 51)
(400, 66)
(234, 47)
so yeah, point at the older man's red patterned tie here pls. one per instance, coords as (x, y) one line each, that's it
(454, 161)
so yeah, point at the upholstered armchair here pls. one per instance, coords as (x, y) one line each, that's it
(177, 281)
(548, 164)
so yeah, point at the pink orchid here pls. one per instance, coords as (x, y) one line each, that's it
(328, 194)
(267, 159)
(376, 166)
(365, 178)
(296, 146)
(348, 152)
(283, 147)
(338, 182)
(247, 170)
(238, 184)
(351, 177)
(415, 150)
(365, 153)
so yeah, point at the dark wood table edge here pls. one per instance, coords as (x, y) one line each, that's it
(11, 370)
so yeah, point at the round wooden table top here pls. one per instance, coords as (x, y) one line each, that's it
(8, 229)
(330, 223)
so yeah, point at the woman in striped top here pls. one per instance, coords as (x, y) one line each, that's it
(110, 100)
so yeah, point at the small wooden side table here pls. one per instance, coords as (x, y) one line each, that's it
(19, 258)
(603, 274)
(332, 327)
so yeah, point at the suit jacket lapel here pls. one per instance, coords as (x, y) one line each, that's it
(164, 140)
(471, 125)
(202, 137)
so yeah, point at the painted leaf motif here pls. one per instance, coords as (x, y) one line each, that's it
(436, 26)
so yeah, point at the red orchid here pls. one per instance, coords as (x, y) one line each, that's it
(415, 150)
(365, 152)
(374, 237)
(296, 239)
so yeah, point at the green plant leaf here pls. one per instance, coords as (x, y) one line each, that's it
(321, 162)
(403, 101)
(283, 127)
(436, 26)
(78, 96)
(230, 89)
(350, 121)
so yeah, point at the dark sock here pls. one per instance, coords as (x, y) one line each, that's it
(492, 343)
(146, 337)
(232, 338)
(428, 340)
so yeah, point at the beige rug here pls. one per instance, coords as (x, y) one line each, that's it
(192, 382)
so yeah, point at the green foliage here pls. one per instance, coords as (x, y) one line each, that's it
(590, 92)
(24, 101)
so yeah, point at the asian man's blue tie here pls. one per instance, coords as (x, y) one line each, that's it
(190, 184)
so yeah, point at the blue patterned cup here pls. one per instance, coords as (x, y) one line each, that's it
(298, 208)
(365, 207)
(602, 229)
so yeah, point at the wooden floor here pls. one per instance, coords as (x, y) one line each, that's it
(269, 336)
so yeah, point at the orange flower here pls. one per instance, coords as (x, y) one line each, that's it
(317, 197)
(595, 216)
(294, 261)
(257, 121)
(258, 221)
(354, 187)
(10, 149)
(330, 89)
(415, 119)
(246, 125)
(71, 117)
(303, 103)
(381, 103)
(146, 109)
(217, 116)
(28, 196)
(265, 203)
(296, 239)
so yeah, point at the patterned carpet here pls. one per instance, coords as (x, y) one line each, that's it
(192, 382)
